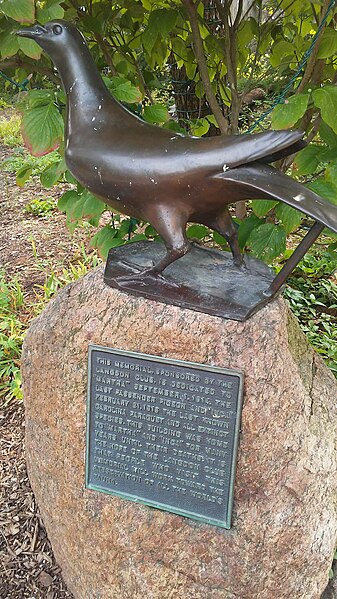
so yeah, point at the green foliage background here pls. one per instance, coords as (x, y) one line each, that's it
(224, 51)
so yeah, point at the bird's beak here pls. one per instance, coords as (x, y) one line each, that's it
(33, 32)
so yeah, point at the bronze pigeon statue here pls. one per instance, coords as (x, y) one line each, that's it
(160, 176)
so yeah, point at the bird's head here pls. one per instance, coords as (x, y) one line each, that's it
(54, 37)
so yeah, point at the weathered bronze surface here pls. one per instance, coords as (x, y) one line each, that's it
(163, 432)
(204, 280)
(163, 177)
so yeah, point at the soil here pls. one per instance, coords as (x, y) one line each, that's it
(29, 246)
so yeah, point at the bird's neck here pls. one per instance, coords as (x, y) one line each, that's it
(81, 79)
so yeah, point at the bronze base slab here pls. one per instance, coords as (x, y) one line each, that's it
(204, 280)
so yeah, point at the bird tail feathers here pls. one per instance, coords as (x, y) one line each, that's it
(261, 181)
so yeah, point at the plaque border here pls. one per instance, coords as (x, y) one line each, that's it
(154, 504)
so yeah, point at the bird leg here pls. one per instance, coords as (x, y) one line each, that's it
(223, 224)
(172, 229)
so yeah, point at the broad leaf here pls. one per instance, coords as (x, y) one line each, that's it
(104, 240)
(287, 114)
(325, 98)
(290, 217)
(67, 200)
(30, 48)
(123, 90)
(9, 44)
(161, 23)
(246, 227)
(323, 188)
(331, 173)
(92, 206)
(38, 97)
(52, 174)
(22, 11)
(23, 174)
(200, 127)
(156, 113)
(51, 10)
(197, 231)
(268, 241)
(280, 53)
(328, 135)
(307, 160)
(328, 44)
(262, 207)
(42, 129)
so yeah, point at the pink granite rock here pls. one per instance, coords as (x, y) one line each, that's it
(284, 520)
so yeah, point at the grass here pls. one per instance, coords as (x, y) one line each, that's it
(12, 331)
(16, 313)
(21, 158)
(312, 295)
(43, 206)
(10, 134)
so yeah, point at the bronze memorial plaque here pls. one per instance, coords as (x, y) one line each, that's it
(163, 432)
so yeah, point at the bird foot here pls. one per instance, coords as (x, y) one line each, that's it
(240, 263)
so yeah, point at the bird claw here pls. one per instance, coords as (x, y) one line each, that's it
(240, 263)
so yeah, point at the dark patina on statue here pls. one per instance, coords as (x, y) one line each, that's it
(169, 180)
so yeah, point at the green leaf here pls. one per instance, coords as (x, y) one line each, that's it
(67, 200)
(262, 207)
(268, 241)
(200, 126)
(161, 22)
(9, 44)
(22, 11)
(23, 174)
(104, 240)
(79, 205)
(51, 10)
(156, 113)
(280, 53)
(331, 173)
(70, 178)
(52, 174)
(30, 48)
(287, 114)
(197, 231)
(123, 90)
(327, 134)
(307, 160)
(323, 188)
(328, 44)
(290, 217)
(38, 97)
(325, 98)
(246, 227)
(174, 126)
(92, 206)
(42, 129)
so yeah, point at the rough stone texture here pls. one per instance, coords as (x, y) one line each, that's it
(284, 525)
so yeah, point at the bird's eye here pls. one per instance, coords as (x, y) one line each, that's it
(57, 29)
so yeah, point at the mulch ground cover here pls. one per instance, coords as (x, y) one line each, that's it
(28, 569)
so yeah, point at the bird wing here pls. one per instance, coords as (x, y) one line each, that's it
(235, 150)
(265, 182)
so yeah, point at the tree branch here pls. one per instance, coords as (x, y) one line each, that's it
(312, 62)
(103, 45)
(191, 8)
(230, 49)
(16, 63)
